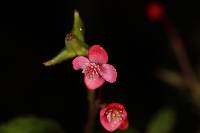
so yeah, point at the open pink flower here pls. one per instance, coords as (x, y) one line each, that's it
(114, 116)
(95, 68)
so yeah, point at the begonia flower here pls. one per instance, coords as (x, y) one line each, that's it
(95, 68)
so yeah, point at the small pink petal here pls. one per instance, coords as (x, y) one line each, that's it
(79, 62)
(124, 125)
(98, 54)
(93, 83)
(108, 73)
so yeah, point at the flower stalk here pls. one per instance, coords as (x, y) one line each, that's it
(92, 111)
(189, 76)
(96, 71)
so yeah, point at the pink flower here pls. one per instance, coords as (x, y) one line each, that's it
(95, 68)
(114, 116)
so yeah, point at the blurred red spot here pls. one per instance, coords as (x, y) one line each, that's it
(155, 11)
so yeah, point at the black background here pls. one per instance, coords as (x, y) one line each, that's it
(34, 31)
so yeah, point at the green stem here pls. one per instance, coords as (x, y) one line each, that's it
(92, 111)
(189, 76)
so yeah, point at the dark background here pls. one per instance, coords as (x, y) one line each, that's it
(34, 31)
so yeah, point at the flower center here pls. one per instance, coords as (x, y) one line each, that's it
(114, 115)
(92, 70)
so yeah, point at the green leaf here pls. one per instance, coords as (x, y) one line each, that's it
(74, 43)
(162, 122)
(63, 55)
(78, 27)
(31, 125)
(173, 78)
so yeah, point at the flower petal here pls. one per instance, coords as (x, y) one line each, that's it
(93, 83)
(108, 73)
(98, 54)
(109, 126)
(108, 118)
(124, 125)
(79, 62)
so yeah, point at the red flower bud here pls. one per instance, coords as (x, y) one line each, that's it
(155, 11)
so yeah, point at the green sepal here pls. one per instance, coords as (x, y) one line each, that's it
(74, 43)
